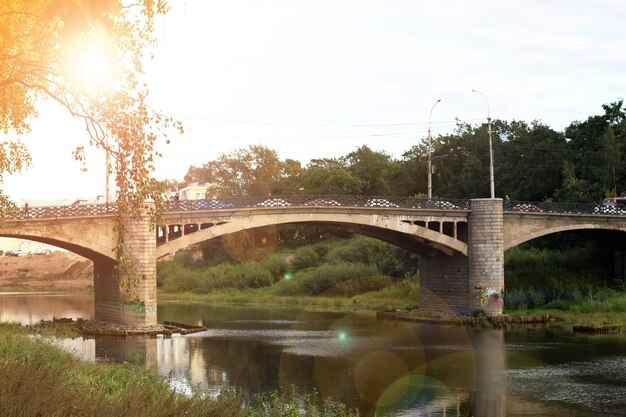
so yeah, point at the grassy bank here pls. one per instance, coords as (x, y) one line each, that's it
(400, 296)
(40, 379)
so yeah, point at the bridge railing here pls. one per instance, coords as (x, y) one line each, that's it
(71, 210)
(318, 201)
(552, 207)
(74, 210)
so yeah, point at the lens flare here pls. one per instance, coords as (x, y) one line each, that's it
(91, 67)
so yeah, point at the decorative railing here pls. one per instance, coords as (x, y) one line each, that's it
(563, 208)
(320, 201)
(72, 210)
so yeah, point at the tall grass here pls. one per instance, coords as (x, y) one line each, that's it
(552, 278)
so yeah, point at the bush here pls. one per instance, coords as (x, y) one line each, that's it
(318, 280)
(305, 257)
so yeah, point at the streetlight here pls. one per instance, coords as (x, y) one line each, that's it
(107, 172)
(430, 150)
(493, 193)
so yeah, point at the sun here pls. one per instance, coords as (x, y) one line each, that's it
(90, 67)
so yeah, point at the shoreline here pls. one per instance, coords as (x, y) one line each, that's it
(388, 308)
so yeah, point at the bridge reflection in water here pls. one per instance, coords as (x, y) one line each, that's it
(390, 369)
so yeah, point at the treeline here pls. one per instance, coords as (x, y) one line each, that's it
(532, 162)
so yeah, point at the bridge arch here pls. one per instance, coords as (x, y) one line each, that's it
(401, 231)
(518, 230)
(92, 238)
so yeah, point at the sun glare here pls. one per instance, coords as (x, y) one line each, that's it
(91, 68)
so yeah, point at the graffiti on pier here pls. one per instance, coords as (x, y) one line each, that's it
(139, 307)
(490, 295)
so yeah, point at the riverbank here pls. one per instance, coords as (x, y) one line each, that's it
(40, 378)
(399, 297)
(56, 271)
(608, 312)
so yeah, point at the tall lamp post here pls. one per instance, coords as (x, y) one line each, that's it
(430, 150)
(493, 193)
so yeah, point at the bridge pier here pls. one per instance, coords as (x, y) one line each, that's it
(129, 297)
(462, 284)
(486, 256)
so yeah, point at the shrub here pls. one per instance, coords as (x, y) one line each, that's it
(305, 257)
(316, 281)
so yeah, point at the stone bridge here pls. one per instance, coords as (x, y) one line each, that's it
(461, 243)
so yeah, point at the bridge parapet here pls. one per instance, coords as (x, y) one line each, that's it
(71, 210)
(318, 201)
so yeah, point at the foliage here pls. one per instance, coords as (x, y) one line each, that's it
(316, 281)
(42, 44)
(39, 44)
(532, 162)
(329, 176)
(248, 171)
(538, 277)
(305, 257)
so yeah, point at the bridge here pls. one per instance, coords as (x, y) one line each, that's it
(461, 243)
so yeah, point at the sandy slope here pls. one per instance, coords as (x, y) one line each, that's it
(56, 270)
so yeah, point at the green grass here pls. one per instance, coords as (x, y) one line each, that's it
(400, 295)
(609, 309)
(39, 378)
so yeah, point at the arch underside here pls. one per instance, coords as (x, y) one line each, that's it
(72, 247)
(614, 233)
(408, 236)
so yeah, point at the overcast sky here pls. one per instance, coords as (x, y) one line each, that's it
(320, 78)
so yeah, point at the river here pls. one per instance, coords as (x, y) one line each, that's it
(383, 368)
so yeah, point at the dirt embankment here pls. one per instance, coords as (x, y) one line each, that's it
(56, 270)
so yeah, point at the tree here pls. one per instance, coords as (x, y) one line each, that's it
(255, 170)
(329, 176)
(372, 169)
(530, 161)
(44, 42)
(43, 46)
(595, 147)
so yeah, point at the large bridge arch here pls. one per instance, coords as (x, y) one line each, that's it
(399, 230)
(92, 238)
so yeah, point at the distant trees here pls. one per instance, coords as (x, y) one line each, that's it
(532, 162)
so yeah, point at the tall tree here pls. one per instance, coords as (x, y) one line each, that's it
(44, 44)
(329, 176)
(530, 161)
(596, 146)
(255, 170)
(372, 168)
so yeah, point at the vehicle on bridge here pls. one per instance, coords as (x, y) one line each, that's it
(613, 205)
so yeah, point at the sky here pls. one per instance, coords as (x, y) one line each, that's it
(317, 79)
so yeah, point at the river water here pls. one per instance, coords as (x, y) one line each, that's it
(387, 369)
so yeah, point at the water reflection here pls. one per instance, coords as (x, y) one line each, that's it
(383, 368)
(31, 308)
